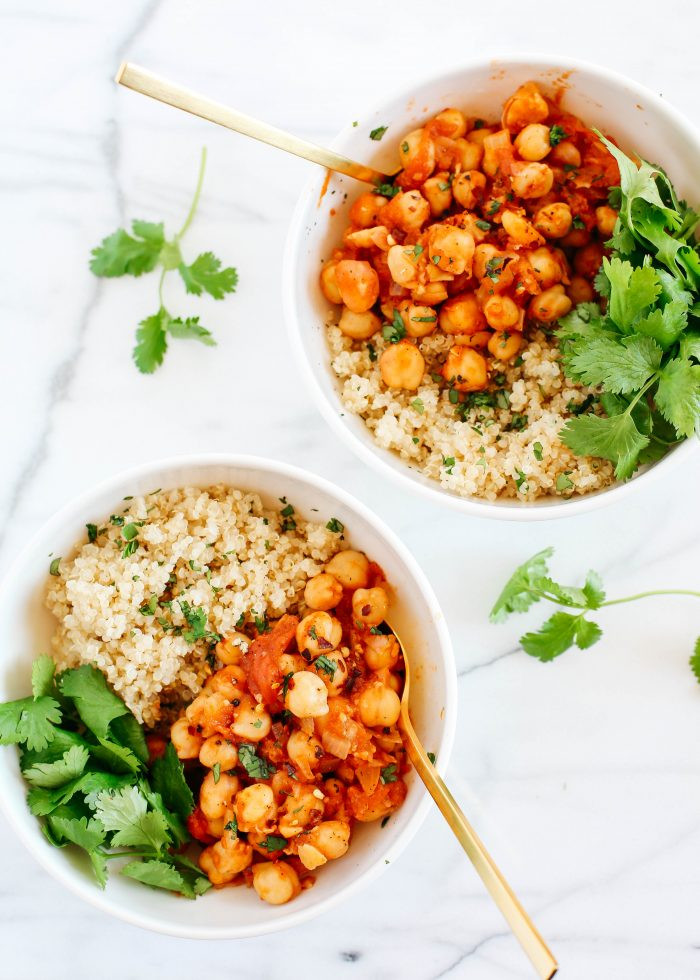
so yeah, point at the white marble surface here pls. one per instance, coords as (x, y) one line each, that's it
(583, 776)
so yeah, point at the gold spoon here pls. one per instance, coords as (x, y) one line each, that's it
(147, 83)
(515, 915)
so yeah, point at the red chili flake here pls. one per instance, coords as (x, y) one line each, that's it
(366, 610)
(324, 644)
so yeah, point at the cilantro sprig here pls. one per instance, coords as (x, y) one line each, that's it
(84, 756)
(641, 343)
(531, 582)
(124, 254)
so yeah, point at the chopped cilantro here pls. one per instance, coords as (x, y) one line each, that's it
(376, 134)
(556, 135)
(54, 567)
(335, 525)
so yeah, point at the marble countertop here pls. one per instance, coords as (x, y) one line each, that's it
(583, 776)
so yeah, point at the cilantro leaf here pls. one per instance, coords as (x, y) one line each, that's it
(168, 779)
(616, 438)
(274, 843)
(127, 731)
(519, 593)
(695, 660)
(53, 774)
(115, 757)
(88, 834)
(96, 704)
(151, 342)
(593, 590)
(690, 345)
(190, 329)
(621, 367)
(29, 720)
(120, 254)
(560, 632)
(253, 764)
(678, 395)
(158, 874)
(205, 273)
(43, 670)
(125, 813)
(42, 800)
(631, 291)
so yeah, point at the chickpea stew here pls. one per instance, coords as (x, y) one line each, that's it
(294, 739)
(449, 283)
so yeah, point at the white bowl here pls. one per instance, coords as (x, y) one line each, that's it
(639, 120)
(25, 630)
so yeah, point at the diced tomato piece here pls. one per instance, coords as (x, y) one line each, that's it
(199, 827)
(261, 663)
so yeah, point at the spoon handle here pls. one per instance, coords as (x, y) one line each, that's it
(147, 83)
(515, 915)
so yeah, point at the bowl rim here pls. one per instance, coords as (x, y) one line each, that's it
(74, 879)
(371, 454)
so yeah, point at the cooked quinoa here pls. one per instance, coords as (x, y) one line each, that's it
(510, 449)
(218, 554)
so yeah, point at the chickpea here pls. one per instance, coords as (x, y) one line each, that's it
(359, 326)
(576, 238)
(546, 266)
(409, 210)
(565, 154)
(215, 796)
(381, 652)
(468, 188)
(450, 249)
(305, 753)
(369, 606)
(351, 568)
(417, 154)
(430, 293)
(379, 706)
(450, 122)
(465, 369)
(479, 339)
(482, 255)
(358, 284)
(520, 231)
(505, 345)
(218, 750)
(186, 741)
(290, 662)
(323, 591)
(336, 682)
(554, 220)
(461, 315)
(530, 180)
(532, 142)
(501, 312)
(318, 632)
(330, 837)
(311, 857)
(255, 807)
(478, 136)
(302, 808)
(365, 211)
(402, 264)
(252, 723)
(605, 220)
(526, 106)
(550, 304)
(420, 321)
(227, 681)
(329, 286)
(402, 366)
(231, 648)
(496, 146)
(438, 193)
(588, 259)
(307, 696)
(276, 882)
(209, 712)
(580, 290)
(469, 154)
(224, 860)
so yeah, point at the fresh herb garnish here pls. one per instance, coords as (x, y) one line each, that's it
(123, 254)
(388, 774)
(417, 403)
(387, 190)
(643, 351)
(253, 764)
(376, 134)
(273, 843)
(556, 135)
(54, 567)
(327, 665)
(483, 225)
(531, 582)
(537, 451)
(449, 463)
(395, 331)
(335, 525)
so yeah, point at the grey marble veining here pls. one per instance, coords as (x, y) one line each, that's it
(584, 775)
